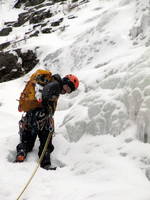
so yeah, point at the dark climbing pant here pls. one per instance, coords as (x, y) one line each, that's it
(36, 123)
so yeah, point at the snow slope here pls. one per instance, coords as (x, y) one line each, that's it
(102, 127)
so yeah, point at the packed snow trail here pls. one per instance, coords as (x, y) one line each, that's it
(95, 167)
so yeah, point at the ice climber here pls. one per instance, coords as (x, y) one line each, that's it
(38, 101)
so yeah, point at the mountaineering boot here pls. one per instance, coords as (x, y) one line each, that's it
(21, 155)
(48, 167)
(46, 162)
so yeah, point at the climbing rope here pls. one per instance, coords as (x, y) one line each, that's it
(38, 163)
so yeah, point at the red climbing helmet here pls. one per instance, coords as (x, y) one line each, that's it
(73, 79)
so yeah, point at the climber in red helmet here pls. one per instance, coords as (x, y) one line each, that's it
(39, 121)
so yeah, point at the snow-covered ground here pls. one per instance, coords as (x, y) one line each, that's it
(102, 130)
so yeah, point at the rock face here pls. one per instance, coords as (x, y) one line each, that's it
(4, 45)
(38, 17)
(5, 31)
(15, 64)
(28, 3)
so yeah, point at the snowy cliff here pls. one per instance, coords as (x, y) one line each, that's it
(102, 130)
(113, 64)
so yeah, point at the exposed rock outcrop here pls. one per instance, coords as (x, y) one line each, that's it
(38, 17)
(5, 31)
(15, 64)
(27, 3)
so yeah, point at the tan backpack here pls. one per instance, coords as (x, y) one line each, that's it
(27, 100)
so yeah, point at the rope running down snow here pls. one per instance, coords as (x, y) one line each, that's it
(38, 164)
